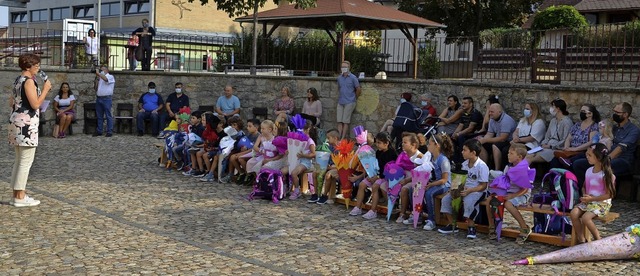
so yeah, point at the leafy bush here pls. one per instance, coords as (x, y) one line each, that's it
(506, 37)
(428, 61)
(558, 17)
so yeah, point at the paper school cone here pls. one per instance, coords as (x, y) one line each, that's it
(393, 174)
(345, 184)
(419, 180)
(294, 147)
(497, 207)
(625, 245)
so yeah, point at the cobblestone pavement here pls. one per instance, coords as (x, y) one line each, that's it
(107, 208)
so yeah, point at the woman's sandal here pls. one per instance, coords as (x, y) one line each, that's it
(523, 236)
(492, 233)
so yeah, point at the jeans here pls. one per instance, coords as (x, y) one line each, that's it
(133, 63)
(155, 122)
(429, 199)
(103, 109)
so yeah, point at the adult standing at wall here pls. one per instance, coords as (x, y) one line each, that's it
(106, 83)
(92, 47)
(23, 130)
(145, 36)
(348, 92)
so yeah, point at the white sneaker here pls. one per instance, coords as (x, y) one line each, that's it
(25, 202)
(187, 173)
(429, 226)
(11, 201)
(370, 215)
(408, 221)
(356, 211)
(340, 196)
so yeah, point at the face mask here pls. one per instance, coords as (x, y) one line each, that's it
(527, 113)
(101, 72)
(344, 70)
(617, 118)
(403, 100)
(178, 90)
(424, 103)
(552, 111)
(152, 90)
(146, 25)
(583, 116)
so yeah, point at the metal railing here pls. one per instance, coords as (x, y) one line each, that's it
(597, 54)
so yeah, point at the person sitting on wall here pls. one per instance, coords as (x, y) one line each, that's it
(228, 105)
(149, 107)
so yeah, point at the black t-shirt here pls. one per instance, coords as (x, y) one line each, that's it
(147, 40)
(385, 157)
(175, 102)
(475, 116)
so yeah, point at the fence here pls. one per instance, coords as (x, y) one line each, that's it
(607, 54)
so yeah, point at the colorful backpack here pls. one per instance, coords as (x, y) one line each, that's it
(269, 184)
(562, 195)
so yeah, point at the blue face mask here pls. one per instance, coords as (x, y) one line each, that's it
(424, 103)
(152, 90)
(527, 113)
(403, 100)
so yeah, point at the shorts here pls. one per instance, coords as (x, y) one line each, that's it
(471, 204)
(344, 112)
(489, 146)
(520, 200)
(333, 173)
(599, 208)
(306, 162)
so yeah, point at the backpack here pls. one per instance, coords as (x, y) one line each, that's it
(563, 186)
(269, 184)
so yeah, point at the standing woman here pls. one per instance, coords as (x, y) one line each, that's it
(64, 104)
(91, 47)
(312, 107)
(23, 130)
(283, 107)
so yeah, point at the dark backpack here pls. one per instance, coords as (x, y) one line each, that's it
(560, 190)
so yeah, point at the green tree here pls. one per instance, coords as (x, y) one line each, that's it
(559, 17)
(465, 18)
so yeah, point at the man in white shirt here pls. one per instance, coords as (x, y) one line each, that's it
(106, 83)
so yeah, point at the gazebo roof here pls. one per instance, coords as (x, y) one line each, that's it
(356, 15)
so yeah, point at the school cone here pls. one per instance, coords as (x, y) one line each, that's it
(622, 246)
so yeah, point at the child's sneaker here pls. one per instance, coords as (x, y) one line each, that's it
(241, 178)
(429, 226)
(208, 178)
(400, 219)
(295, 195)
(198, 174)
(471, 233)
(314, 198)
(27, 201)
(370, 215)
(355, 212)
(408, 221)
(448, 229)
(225, 179)
(323, 199)
(188, 173)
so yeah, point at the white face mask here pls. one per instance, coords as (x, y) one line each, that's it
(178, 90)
(344, 70)
(553, 111)
(152, 90)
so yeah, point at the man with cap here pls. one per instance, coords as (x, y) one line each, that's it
(149, 106)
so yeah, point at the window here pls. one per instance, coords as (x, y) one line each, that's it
(59, 13)
(18, 17)
(38, 15)
(133, 7)
(83, 12)
(110, 9)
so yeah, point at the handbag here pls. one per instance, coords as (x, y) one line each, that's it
(564, 154)
(56, 130)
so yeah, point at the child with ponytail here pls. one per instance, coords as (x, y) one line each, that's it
(598, 189)
(441, 148)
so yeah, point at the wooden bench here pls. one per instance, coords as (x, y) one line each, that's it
(163, 154)
(380, 209)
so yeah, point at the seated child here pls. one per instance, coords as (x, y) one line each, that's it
(263, 149)
(210, 158)
(441, 148)
(517, 194)
(378, 185)
(328, 192)
(237, 124)
(238, 161)
(474, 189)
(210, 142)
(306, 158)
(405, 160)
(187, 151)
(422, 143)
(598, 190)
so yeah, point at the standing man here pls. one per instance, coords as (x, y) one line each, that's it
(175, 101)
(145, 36)
(499, 134)
(228, 105)
(348, 93)
(149, 106)
(106, 83)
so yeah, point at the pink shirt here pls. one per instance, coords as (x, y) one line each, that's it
(594, 182)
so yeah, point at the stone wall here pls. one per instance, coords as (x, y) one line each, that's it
(378, 103)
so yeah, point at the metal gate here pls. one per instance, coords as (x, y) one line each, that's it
(546, 66)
